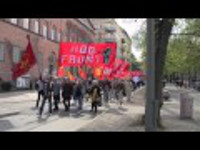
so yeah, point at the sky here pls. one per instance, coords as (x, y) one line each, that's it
(132, 26)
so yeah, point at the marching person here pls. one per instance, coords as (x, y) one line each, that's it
(78, 94)
(67, 92)
(115, 89)
(56, 93)
(39, 87)
(120, 92)
(95, 96)
(128, 89)
(46, 96)
(136, 80)
(106, 86)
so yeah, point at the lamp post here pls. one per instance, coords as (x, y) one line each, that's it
(52, 60)
(150, 110)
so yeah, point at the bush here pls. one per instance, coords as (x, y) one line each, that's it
(6, 86)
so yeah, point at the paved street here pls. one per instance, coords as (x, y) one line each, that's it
(18, 113)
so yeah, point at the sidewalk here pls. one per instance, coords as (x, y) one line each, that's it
(126, 119)
(171, 111)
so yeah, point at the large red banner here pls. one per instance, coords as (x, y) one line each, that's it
(98, 56)
(93, 54)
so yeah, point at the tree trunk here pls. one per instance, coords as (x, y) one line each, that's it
(162, 33)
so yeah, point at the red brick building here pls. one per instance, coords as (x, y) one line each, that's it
(45, 37)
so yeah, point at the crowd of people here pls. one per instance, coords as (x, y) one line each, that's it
(62, 90)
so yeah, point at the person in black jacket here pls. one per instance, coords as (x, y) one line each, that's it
(46, 96)
(78, 93)
(67, 92)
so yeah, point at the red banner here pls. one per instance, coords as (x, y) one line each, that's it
(93, 55)
(27, 61)
(121, 69)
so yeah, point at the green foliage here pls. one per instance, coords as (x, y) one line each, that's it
(184, 50)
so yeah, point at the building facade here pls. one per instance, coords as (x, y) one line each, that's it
(45, 35)
(107, 30)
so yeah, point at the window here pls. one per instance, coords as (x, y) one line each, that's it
(13, 20)
(16, 54)
(26, 23)
(53, 33)
(2, 51)
(58, 36)
(36, 26)
(44, 30)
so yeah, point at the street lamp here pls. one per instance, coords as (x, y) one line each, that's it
(52, 61)
(150, 110)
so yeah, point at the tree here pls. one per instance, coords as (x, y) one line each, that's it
(163, 28)
(184, 50)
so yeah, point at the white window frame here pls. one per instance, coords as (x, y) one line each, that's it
(44, 31)
(2, 52)
(26, 23)
(13, 20)
(36, 26)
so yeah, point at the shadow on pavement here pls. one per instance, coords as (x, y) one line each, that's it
(114, 111)
(9, 114)
(77, 113)
(5, 125)
(12, 94)
(41, 119)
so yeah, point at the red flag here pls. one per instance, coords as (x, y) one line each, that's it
(61, 71)
(70, 75)
(27, 61)
(82, 73)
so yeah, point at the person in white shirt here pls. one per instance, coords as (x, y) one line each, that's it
(136, 80)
